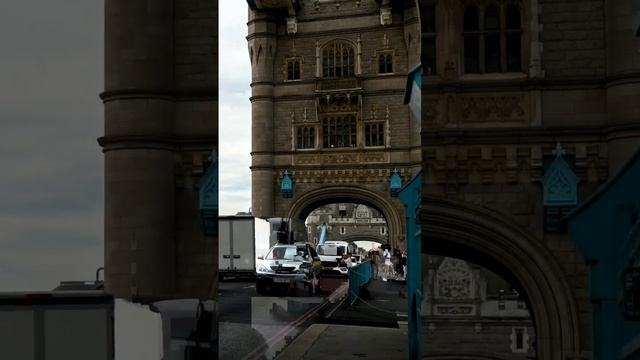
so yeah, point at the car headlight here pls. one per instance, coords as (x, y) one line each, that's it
(264, 268)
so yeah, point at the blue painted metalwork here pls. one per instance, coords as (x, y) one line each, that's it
(411, 198)
(395, 183)
(560, 183)
(607, 230)
(209, 196)
(286, 185)
(413, 93)
(359, 276)
(323, 234)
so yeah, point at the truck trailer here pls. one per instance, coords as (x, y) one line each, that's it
(237, 240)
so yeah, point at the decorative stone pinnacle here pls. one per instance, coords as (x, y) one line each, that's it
(559, 151)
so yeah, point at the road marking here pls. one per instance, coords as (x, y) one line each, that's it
(336, 307)
(249, 287)
(280, 335)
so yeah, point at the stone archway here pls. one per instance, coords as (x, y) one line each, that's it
(354, 238)
(309, 201)
(483, 236)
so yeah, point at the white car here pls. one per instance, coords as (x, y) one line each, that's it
(289, 263)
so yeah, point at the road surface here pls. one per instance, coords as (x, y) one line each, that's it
(257, 327)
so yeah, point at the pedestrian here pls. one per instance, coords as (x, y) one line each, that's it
(387, 264)
(374, 266)
(403, 262)
(379, 262)
(395, 259)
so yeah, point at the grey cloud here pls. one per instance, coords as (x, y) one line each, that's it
(51, 197)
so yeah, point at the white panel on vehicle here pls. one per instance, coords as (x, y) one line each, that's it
(243, 244)
(138, 332)
(76, 334)
(17, 335)
(224, 244)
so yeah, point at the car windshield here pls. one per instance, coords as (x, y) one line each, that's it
(285, 253)
(330, 250)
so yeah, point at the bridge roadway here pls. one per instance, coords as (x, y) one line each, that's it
(256, 327)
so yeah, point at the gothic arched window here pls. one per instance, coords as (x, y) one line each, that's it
(293, 69)
(338, 60)
(385, 63)
(492, 37)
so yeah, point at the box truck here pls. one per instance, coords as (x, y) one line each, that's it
(238, 238)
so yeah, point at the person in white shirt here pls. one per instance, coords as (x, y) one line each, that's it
(388, 266)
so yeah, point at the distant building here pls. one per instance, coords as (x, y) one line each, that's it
(348, 222)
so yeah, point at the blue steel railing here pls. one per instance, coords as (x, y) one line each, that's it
(359, 276)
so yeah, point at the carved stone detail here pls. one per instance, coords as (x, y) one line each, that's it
(339, 103)
(502, 108)
(454, 166)
(341, 158)
(454, 309)
(353, 176)
(454, 280)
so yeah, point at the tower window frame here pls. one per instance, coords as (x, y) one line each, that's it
(375, 134)
(339, 131)
(385, 59)
(338, 59)
(492, 37)
(293, 69)
(306, 137)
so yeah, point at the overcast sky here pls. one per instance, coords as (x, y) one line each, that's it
(235, 109)
(51, 167)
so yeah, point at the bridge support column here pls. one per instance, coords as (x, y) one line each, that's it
(262, 47)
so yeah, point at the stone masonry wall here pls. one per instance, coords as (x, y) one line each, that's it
(573, 38)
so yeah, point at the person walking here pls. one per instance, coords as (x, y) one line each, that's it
(403, 263)
(397, 267)
(387, 264)
(379, 262)
(374, 266)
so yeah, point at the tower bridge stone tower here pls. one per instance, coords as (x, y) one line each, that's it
(504, 82)
(509, 86)
(328, 81)
(161, 125)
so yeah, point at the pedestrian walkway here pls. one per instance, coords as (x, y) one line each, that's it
(373, 328)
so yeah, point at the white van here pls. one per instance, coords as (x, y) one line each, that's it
(332, 255)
